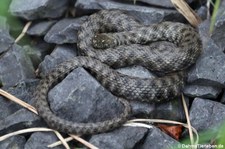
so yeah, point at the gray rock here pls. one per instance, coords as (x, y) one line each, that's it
(23, 90)
(223, 98)
(172, 110)
(122, 138)
(40, 28)
(40, 140)
(80, 91)
(15, 142)
(64, 31)
(21, 119)
(144, 14)
(6, 41)
(31, 10)
(157, 139)
(210, 66)
(15, 66)
(206, 114)
(202, 12)
(219, 28)
(162, 3)
(202, 91)
(42, 47)
(34, 54)
(60, 54)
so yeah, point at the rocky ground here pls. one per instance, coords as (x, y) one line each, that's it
(52, 39)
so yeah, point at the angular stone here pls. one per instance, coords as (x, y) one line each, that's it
(223, 98)
(146, 15)
(21, 119)
(202, 12)
(210, 66)
(15, 66)
(210, 92)
(40, 28)
(157, 139)
(124, 137)
(206, 114)
(40, 140)
(219, 28)
(80, 91)
(6, 41)
(23, 90)
(15, 142)
(172, 110)
(64, 31)
(34, 54)
(162, 3)
(31, 10)
(60, 54)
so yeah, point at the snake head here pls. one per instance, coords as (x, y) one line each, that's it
(102, 41)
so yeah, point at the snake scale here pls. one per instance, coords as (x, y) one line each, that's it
(112, 39)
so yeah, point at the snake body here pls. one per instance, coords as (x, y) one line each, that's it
(112, 39)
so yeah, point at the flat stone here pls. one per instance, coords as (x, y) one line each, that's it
(34, 54)
(6, 41)
(15, 142)
(145, 14)
(80, 91)
(60, 54)
(40, 140)
(21, 119)
(206, 114)
(202, 12)
(219, 27)
(209, 92)
(210, 66)
(223, 98)
(31, 10)
(41, 48)
(64, 31)
(40, 28)
(157, 139)
(122, 138)
(23, 90)
(172, 110)
(15, 66)
(161, 3)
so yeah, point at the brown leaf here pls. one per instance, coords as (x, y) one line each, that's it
(173, 131)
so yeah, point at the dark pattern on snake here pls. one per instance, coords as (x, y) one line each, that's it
(125, 42)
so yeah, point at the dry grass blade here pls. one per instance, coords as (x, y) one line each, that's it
(187, 12)
(18, 101)
(23, 32)
(134, 122)
(91, 146)
(87, 144)
(188, 120)
(38, 129)
(31, 108)
(59, 142)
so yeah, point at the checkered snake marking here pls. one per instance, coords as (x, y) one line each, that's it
(112, 39)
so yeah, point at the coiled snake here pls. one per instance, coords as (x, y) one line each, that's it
(111, 39)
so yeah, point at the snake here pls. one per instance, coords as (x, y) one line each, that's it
(111, 39)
